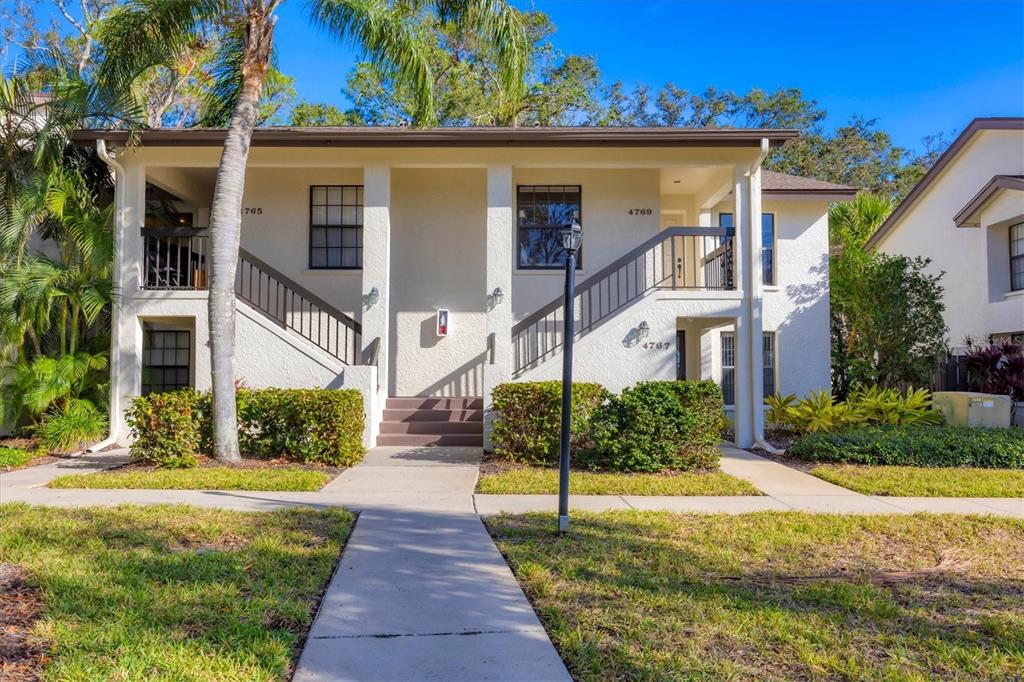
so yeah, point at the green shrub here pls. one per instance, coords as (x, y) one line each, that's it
(819, 411)
(305, 425)
(927, 446)
(659, 425)
(76, 424)
(528, 419)
(166, 428)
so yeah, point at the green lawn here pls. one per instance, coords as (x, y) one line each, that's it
(540, 481)
(775, 595)
(924, 481)
(173, 593)
(15, 457)
(201, 478)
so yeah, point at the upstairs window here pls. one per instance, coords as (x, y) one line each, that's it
(767, 243)
(1017, 257)
(335, 227)
(543, 210)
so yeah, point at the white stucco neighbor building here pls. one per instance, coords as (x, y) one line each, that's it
(967, 215)
(423, 267)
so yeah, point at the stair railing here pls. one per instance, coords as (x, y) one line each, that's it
(677, 258)
(179, 258)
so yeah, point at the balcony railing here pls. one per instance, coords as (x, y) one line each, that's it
(178, 259)
(678, 258)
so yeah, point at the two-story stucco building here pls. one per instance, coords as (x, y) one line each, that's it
(358, 243)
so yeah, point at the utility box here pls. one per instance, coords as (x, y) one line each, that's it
(974, 409)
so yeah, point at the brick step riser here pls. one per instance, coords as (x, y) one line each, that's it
(404, 415)
(428, 427)
(463, 439)
(416, 403)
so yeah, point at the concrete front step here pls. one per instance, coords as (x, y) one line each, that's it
(411, 415)
(424, 427)
(427, 439)
(430, 403)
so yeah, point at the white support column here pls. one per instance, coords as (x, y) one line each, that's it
(126, 342)
(377, 275)
(704, 217)
(754, 303)
(743, 404)
(500, 239)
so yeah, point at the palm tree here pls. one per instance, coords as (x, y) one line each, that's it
(148, 32)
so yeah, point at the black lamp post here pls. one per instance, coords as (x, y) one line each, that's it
(572, 237)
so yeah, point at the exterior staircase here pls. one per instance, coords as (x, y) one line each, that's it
(425, 421)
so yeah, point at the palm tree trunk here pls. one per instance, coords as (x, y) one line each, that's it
(225, 232)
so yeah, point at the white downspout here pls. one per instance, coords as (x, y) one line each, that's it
(756, 285)
(114, 409)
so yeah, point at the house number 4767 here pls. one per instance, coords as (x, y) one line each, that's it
(656, 345)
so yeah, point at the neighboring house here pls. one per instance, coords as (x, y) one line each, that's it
(967, 216)
(695, 263)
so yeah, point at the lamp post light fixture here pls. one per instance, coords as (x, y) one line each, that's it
(572, 238)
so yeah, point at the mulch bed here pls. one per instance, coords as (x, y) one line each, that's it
(22, 655)
(28, 444)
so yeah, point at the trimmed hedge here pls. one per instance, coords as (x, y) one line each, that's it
(658, 425)
(528, 418)
(653, 426)
(924, 446)
(304, 425)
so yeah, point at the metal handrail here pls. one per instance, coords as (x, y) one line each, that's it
(676, 258)
(257, 283)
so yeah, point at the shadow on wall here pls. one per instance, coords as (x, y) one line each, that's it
(467, 380)
(811, 308)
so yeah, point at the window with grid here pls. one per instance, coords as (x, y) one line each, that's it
(729, 366)
(335, 227)
(543, 210)
(166, 357)
(1017, 257)
(767, 243)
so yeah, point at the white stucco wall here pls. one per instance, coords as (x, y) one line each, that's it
(975, 291)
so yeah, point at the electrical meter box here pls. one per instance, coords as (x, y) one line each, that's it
(974, 409)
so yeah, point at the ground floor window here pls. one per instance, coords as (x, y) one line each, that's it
(166, 359)
(729, 366)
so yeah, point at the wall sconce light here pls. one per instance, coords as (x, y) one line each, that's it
(496, 297)
(643, 329)
(372, 298)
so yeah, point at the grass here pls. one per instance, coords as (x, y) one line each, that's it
(540, 481)
(658, 596)
(924, 481)
(173, 593)
(15, 457)
(201, 478)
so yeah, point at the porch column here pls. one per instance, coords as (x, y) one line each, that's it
(704, 217)
(126, 331)
(749, 413)
(376, 275)
(500, 239)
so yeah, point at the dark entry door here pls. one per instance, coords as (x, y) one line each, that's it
(680, 354)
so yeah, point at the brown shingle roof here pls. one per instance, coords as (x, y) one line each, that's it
(782, 183)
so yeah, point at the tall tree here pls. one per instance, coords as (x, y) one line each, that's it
(145, 33)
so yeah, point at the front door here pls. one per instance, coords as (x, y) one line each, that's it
(680, 354)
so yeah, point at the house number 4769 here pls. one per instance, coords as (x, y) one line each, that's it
(641, 211)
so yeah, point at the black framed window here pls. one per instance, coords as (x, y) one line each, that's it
(166, 360)
(767, 243)
(729, 366)
(1017, 257)
(543, 210)
(335, 227)
(768, 248)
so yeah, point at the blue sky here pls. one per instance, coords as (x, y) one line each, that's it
(918, 66)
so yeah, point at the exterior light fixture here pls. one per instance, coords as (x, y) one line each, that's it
(373, 297)
(572, 239)
(497, 296)
(643, 329)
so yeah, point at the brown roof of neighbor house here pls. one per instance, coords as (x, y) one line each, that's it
(998, 182)
(994, 123)
(783, 183)
(459, 137)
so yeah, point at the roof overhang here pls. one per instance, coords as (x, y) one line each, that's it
(970, 215)
(453, 137)
(978, 124)
(816, 194)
